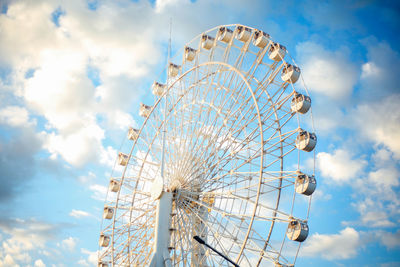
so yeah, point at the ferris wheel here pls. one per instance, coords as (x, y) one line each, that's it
(222, 154)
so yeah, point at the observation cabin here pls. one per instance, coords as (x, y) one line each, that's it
(104, 240)
(108, 212)
(306, 141)
(144, 110)
(278, 264)
(173, 70)
(190, 53)
(123, 159)
(158, 89)
(207, 42)
(114, 185)
(102, 264)
(276, 52)
(305, 184)
(297, 230)
(133, 134)
(261, 39)
(243, 33)
(290, 73)
(300, 103)
(225, 35)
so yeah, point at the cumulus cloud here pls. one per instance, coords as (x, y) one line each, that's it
(331, 74)
(69, 243)
(39, 263)
(14, 116)
(25, 238)
(379, 122)
(339, 165)
(389, 239)
(343, 245)
(91, 258)
(377, 200)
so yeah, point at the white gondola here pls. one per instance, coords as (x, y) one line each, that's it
(297, 230)
(144, 110)
(300, 103)
(133, 134)
(305, 184)
(102, 264)
(278, 264)
(104, 240)
(277, 52)
(123, 159)
(190, 53)
(158, 89)
(207, 41)
(261, 39)
(173, 70)
(243, 33)
(306, 141)
(290, 73)
(108, 212)
(225, 35)
(114, 185)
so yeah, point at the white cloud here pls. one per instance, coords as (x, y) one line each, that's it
(79, 214)
(26, 237)
(99, 191)
(375, 218)
(162, 4)
(91, 258)
(388, 239)
(15, 116)
(329, 73)
(339, 166)
(343, 245)
(69, 243)
(39, 263)
(385, 177)
(379, 122)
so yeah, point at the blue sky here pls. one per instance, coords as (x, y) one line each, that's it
(72, 74)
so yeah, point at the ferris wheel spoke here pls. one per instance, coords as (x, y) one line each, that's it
(215, 232)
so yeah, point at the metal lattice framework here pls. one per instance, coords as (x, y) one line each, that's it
(234, 164)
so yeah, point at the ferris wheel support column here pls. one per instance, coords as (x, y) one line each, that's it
(160, 257)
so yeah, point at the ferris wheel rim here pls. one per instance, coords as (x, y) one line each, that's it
(260, 127)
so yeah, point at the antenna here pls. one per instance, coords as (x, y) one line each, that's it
(165, 105)
(169, 40)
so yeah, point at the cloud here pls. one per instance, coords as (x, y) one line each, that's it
(99, 191)
(39, 263)
(14, 116)
(343, 245)
(388, 239)
(24, 239)
(69, 243)
(79, 214)
(91, 258)
(339, 166)
(380, 74)
(330, 73)
(376, 192)
(379, 122)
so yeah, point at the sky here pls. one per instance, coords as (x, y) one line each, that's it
(72, 75)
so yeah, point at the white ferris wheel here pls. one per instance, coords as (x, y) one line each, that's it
(222, 154)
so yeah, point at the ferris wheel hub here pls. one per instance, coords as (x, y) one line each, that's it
(157, 188)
